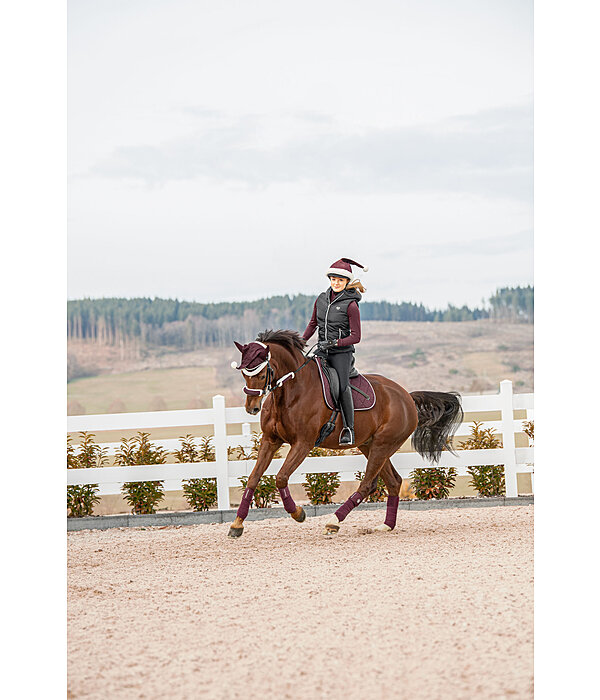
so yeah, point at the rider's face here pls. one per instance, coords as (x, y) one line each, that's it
(338, 283)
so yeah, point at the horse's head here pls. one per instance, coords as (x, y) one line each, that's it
(257, 372)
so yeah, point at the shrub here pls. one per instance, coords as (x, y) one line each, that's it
(434, 482)
(201, 494)
(71, 458)
(318, 452)
(142, 496)
(238, 453)
(188, 452)
(265, 493)
(321, 488)
(333, 452)
(81, 499)
(488, 480)
(528, 429)
(206, 451)
(380, 493)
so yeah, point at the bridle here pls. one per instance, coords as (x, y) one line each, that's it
(269, 386)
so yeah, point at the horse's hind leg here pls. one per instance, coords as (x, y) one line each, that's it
(393, 482)
(377, 456)
(365, 450)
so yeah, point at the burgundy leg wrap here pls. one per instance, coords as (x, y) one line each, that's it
(354, 500)
(287, 500)
(392, 511)
(242, 511)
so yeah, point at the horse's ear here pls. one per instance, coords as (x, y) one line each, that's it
(238, 346)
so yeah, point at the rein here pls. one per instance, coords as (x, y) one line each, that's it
(268, 387)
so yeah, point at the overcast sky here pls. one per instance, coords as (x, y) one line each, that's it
(230, 150)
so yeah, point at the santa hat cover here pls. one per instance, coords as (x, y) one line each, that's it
(341, 268)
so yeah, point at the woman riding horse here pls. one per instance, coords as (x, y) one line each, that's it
(286, 385)
(336, 315)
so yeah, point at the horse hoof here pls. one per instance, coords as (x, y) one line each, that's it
(299, 516)
(332, 528)
(235, 531)
(383, 528)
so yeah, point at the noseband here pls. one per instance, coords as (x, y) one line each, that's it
(267, 388)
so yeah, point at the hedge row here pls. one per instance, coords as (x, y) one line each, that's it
(201, 494)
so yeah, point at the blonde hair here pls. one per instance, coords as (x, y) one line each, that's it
(357, 284)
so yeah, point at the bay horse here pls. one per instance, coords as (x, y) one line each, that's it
(287, 386)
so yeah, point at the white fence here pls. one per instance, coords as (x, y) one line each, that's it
(227, 472)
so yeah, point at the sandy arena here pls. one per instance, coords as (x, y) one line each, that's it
(440, 608)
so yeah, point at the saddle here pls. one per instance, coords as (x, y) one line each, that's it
(363, 393)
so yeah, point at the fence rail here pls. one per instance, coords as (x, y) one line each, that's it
(227, 471)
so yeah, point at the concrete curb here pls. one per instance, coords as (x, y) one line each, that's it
(104, 522)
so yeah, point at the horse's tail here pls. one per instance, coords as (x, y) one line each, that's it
(439, 415)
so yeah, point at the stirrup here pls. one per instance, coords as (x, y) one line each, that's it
(347, 433)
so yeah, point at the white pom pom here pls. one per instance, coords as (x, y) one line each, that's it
(365, 268)
(234, 365)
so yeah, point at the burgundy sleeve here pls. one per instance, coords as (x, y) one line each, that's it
(312, 324)
(354, 319)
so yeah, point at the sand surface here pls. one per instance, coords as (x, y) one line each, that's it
(440, 608)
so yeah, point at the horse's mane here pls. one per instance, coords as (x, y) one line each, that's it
(290, 340)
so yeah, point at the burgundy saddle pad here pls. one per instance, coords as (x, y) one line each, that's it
(361, 403)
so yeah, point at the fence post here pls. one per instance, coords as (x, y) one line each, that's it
(508, 438)
(221, 452)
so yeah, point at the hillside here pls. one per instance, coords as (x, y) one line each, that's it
(470, 357)
(186, 326)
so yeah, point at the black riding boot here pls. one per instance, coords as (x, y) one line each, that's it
(347, 405)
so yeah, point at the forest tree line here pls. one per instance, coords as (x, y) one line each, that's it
(190, 325)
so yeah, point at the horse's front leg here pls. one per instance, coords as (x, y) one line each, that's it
(268, 447)
(297, 454)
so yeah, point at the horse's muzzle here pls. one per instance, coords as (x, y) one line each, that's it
(253, 405)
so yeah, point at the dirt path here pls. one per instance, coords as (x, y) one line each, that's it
(440, 608)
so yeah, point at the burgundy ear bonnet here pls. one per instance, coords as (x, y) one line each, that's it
(255, 356)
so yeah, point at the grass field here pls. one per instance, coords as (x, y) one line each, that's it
(469, 357)
(147, 390)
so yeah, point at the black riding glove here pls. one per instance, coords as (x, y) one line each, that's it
(326, 344)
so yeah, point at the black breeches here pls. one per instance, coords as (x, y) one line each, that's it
(341, 362)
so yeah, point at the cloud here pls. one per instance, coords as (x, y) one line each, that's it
(520, 242)
(488, 153)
